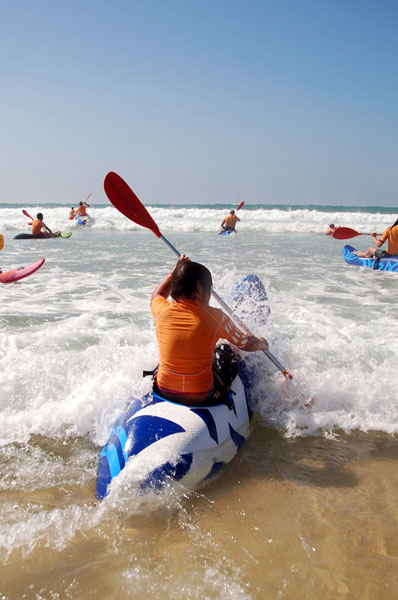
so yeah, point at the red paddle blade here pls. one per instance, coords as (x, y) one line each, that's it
(124, 199)
(27, 215)
(240, 205)
(344, 233)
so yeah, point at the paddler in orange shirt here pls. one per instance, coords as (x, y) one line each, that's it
(192, 369)
(390, 234)
(39, 228)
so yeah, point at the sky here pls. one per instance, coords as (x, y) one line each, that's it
(272, 101)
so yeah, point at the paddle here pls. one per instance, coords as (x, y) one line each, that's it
(27, 215)
(124, 199)
(1, 241)
(345, 233)
(240, 205)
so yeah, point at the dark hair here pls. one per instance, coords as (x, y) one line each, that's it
(232, 212)
(185, 278)
(331, 224)
(80, 203)
(39, 216)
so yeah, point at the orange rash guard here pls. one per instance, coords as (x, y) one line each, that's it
(187, 333)
(392, 236)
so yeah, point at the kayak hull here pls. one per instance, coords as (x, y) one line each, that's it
(385, 264)
(163, 440)
(85, 221)
(30, 236)
(17, 274)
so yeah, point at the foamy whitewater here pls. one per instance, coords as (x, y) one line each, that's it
(76, 336)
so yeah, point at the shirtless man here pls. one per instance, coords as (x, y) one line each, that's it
(40, 229)
(330, 229)
(82, 210)
(229, 222)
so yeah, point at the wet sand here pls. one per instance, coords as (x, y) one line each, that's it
(307, 518)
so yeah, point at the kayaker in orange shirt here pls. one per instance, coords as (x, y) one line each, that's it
(390, 234)
(229, 222)
(40, 228)
(188, 329)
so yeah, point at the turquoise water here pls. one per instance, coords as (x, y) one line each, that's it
(383, 210)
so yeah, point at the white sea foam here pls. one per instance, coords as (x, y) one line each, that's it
(76, 336)
(198, 219)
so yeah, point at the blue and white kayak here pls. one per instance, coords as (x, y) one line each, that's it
(385, 264)
(162, 440)
(85, 221)
(227, 232)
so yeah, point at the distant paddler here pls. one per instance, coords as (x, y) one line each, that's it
(229, 222)
(72, 214)
(331, 228)
(81, 210)
(40, 229)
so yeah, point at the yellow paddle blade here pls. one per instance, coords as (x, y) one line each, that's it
(1, 241)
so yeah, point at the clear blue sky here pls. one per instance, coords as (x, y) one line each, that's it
(286, 101)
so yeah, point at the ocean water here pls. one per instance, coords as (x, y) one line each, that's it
(308, 507)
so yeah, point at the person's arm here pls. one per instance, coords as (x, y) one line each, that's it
(379, 242)
(85, 204)
(237, 218)
(245, 341)
(163, 289)
(47, 228)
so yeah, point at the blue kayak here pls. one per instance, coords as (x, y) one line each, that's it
(384, 264)
(161, 440)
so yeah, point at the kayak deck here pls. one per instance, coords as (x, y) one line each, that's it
(384, 264)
